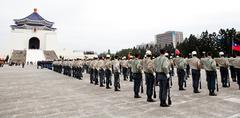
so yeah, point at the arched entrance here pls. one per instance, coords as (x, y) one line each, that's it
(34, 43)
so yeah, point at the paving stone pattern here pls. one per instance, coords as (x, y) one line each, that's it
(40, 93)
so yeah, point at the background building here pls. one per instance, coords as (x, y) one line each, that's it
(169, 37)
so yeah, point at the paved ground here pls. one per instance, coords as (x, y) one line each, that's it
(29, 93)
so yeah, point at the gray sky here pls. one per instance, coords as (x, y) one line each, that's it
(115, 24)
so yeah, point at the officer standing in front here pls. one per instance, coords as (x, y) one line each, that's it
(137, 75)
(161, 65)
(148, 69)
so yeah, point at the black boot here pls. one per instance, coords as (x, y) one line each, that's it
(116, 89)
(149, 99)
(137, 96)
(163, 104)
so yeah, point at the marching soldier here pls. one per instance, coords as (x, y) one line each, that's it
(161, 65)
(223, 63)
(181, 66)
(210, 67)
(108, 71)
(237, 68)
(137, 75)
(148, 69)
(116, 72)
(195, 65)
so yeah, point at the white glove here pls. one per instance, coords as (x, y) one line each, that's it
(168, 76)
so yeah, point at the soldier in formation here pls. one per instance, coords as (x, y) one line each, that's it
(148, 68)
(180, 63)
(137, 75)
(124, 65)
(108, 71)
(223, 64)
(116, 72)
(161, 65)
(209, 65)
(195, 65)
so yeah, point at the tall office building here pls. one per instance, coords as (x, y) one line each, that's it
(169, 37)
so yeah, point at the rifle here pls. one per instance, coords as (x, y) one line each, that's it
(169, 97)
(154, 88)
(142, 86)
(228, 79)
(185, 80)
(200, 83)
(216, 81)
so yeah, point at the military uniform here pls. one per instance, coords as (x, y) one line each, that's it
(130, 70)
(79, 69)
(181, 66)
(137, 76)
(108, 72)
(95, 71)
(91, 63)
(74, 68)
(148, 69)
(161, 65)
(101, 72)
(210, 67)
(223, 63)
(116, 72)
(124, 65)
(237, 69)
(195, 65)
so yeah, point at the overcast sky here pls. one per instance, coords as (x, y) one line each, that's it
(99, 25)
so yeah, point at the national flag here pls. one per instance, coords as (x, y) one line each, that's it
(236, 47)
(177, 52)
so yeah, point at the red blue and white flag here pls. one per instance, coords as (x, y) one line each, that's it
(236, 47)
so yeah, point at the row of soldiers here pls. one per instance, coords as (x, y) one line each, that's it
(157, 71)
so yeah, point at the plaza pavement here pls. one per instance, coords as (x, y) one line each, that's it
(40, 93)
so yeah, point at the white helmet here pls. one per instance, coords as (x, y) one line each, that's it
(148, 52)
(166, 54)
(221, 53)
(124, 57)
(108, 56)
(194, 52)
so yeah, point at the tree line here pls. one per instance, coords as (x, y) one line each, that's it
(206, 42)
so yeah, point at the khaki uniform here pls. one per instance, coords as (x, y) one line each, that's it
(161, 65)
(210, 67)
(195, 65)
